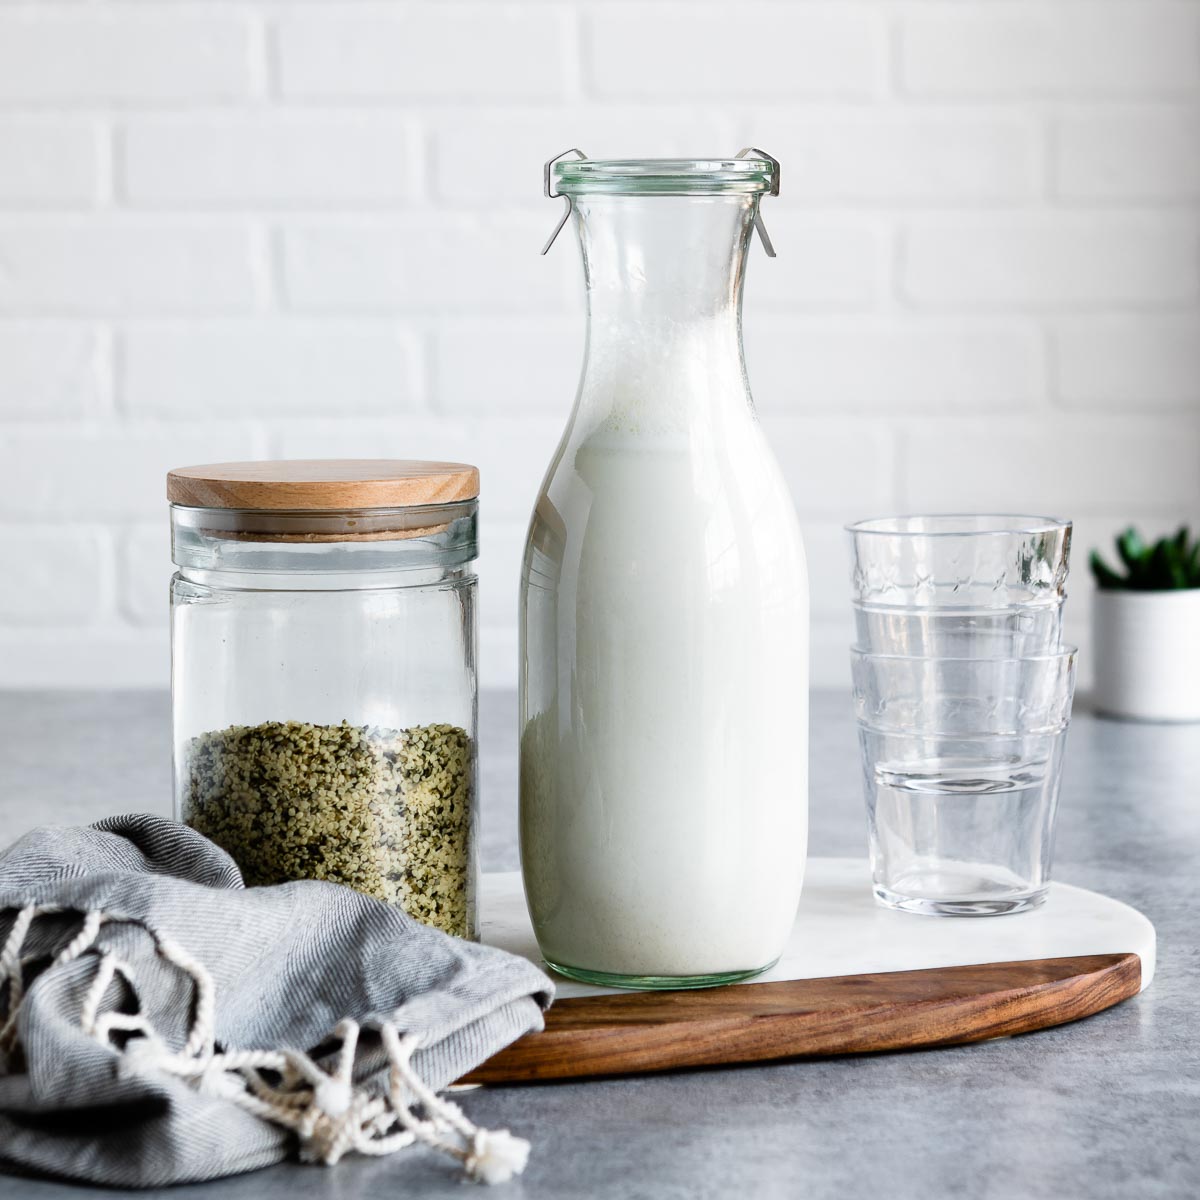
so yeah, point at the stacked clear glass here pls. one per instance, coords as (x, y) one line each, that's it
(962, 689)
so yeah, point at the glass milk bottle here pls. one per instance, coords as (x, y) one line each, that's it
(664, 606)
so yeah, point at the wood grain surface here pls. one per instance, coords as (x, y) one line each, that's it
(322, 485)
(629, 1033)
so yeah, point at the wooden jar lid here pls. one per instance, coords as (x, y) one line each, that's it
(322, 485)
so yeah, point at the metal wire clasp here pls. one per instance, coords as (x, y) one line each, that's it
(764, 237)
(548, 187)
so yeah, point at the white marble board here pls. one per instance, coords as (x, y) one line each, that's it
(840, 930)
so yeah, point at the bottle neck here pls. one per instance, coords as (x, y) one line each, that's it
(664, 281)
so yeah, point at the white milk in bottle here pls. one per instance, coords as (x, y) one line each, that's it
(664, 689)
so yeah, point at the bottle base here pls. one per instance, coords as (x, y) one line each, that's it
(656, 983)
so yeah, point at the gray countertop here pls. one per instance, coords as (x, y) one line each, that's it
(1107, 1107)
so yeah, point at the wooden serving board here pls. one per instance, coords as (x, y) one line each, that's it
(855, 978)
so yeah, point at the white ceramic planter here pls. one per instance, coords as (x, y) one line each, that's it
(1146, 653)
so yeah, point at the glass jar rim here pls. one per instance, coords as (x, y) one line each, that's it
(348, 526)
(950, 525)
(664, 176)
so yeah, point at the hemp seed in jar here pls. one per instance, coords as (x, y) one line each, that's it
(384, 811)
(338, 599)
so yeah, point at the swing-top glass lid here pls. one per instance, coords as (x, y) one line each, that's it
(666, 176)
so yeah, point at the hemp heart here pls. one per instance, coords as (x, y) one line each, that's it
(384, 811)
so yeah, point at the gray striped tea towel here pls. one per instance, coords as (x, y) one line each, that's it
(161, 1023)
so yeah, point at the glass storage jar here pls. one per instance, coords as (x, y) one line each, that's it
(323, 674)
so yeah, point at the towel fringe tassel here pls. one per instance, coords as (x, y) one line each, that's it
(330, 1115)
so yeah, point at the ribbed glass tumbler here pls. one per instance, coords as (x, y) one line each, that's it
(972, 586)
(963, 692)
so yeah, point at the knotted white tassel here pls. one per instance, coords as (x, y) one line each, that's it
(332, 1097)
(328, 1114)
(496, 1156)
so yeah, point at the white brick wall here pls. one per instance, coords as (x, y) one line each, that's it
(126, 55)
(1145, 153)
(1083, 259)
(245, 228)
(447, 51)
(306, 159)
(49, 162)
(264, 367)
(1061, 48)
(743, 52)
(117, 266)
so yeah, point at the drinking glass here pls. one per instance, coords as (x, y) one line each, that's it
(960, 561)
(973, 586)
(962, 760)
(963, 691)
(959, 632)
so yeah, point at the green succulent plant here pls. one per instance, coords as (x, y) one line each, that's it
(1168, 564)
